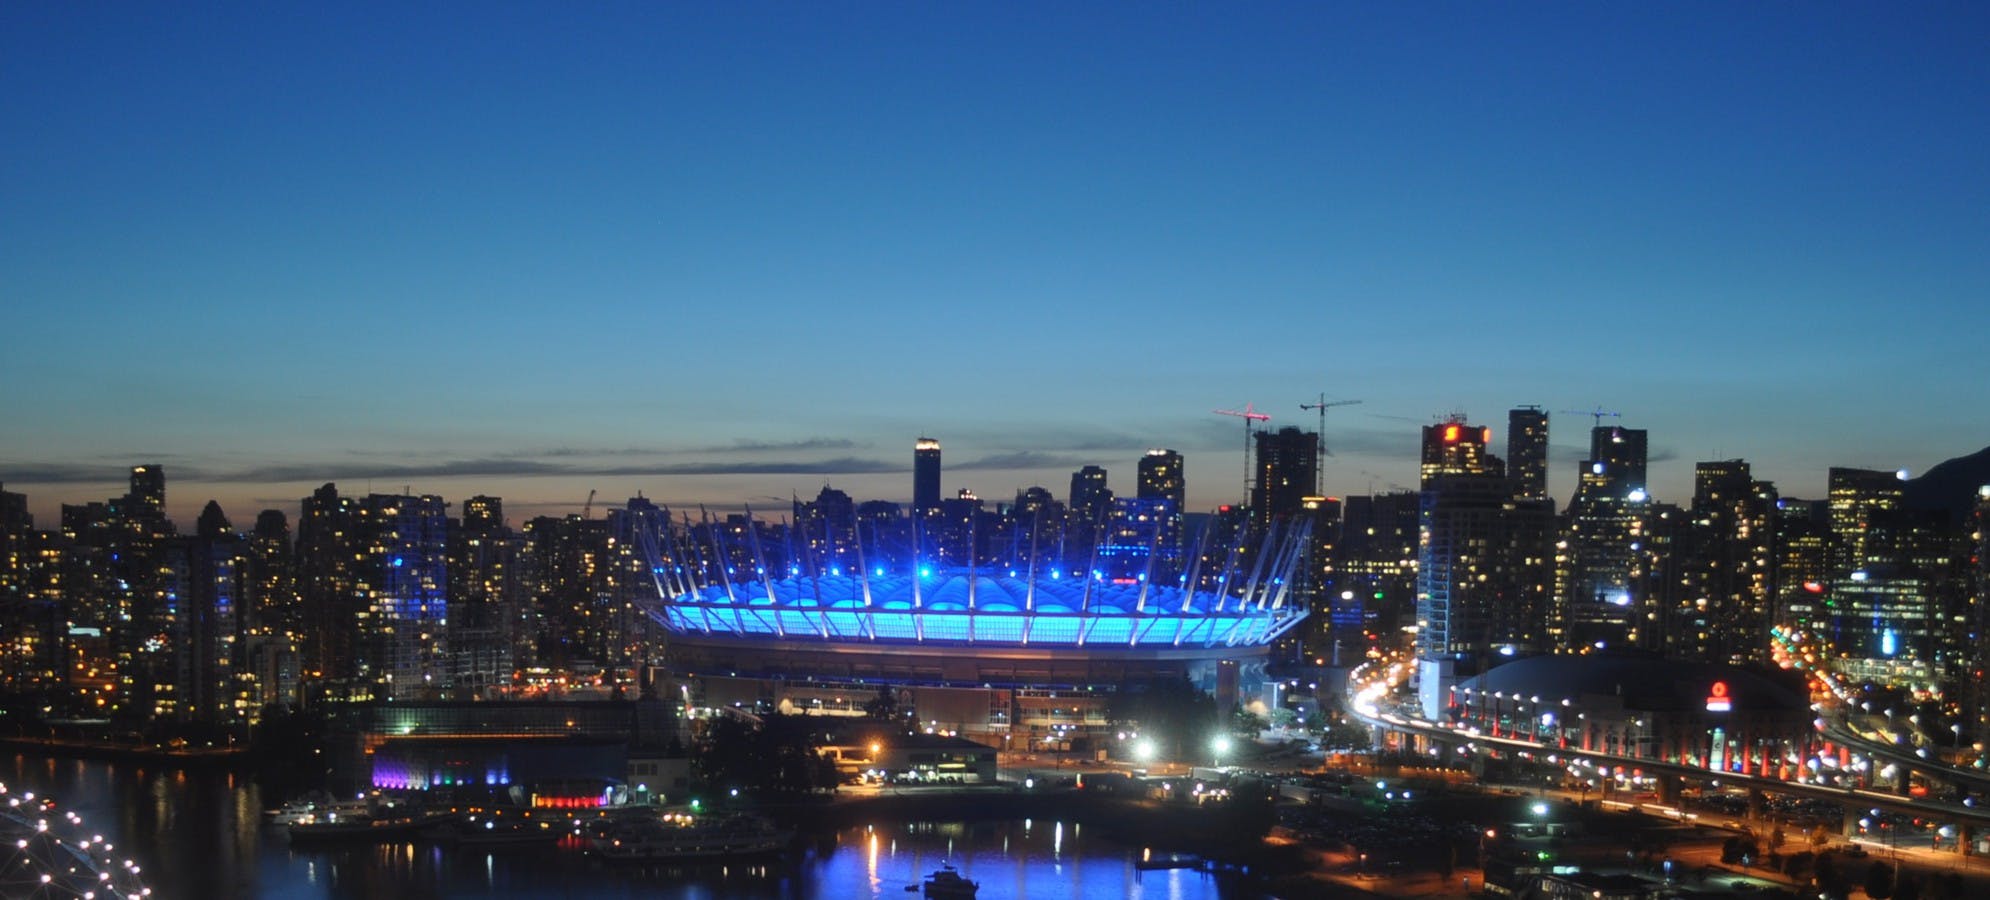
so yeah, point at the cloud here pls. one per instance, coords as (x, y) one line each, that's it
(847, 465)
(738, 445)
(507, 467)
(1019, 459)
(341, 471)
(38, 472)
(61, 473)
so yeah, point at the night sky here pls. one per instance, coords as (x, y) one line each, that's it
(720, 253)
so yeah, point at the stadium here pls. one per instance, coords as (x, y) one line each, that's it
(996, 654)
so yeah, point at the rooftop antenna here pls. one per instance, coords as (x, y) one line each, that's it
(1249, 414)
(1319, 463)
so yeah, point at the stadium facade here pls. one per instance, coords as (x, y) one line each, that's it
(1018, 651)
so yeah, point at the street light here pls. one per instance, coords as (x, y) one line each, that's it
(1221, 745)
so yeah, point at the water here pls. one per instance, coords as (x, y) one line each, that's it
(200, 835)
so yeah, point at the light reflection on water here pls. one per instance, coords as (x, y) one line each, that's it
(199, 834)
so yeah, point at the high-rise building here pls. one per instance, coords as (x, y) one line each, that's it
(1139, 543)
(327, 565)
(828, 528)
(15, 527)
(1485, 572)
(1599, 560)
(1039, 524)
(1286, 461)
(146, 503)
(1163, 478)
(1375, 561)
(272, 621)
(1803, 561)
(1865, 523)
(1727, 569)
(403, 581)
(1527, 451)
(925, 476)
(1454, 447)
(1091, 500)
(207, 617)
(483, 599)
(1977, 716)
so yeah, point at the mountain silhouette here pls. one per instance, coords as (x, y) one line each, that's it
(1950, 486)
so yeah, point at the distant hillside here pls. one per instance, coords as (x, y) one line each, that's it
(1951, 485)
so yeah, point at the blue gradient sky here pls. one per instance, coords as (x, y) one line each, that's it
(721, 252)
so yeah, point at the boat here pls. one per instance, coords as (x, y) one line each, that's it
(312, 807)
(684, 837)
(494, 828)
(948, 884)
(363, 827)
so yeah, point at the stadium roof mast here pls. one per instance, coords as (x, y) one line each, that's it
(1320, 461)
(1249, 414)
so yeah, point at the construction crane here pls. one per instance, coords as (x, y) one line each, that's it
(1249, 414)
(1319, 463)
(1598, 414)
(587, 508)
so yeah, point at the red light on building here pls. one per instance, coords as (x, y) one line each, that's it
(1451, 434)
(1717, 699)
(1813, 587)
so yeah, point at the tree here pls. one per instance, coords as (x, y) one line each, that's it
(1879, 881)
(1175, 713)
(778, 755)
(883, 707)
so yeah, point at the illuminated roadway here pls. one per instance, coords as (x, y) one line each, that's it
(1363, 699)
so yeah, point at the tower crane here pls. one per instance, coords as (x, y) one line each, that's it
(1249, 414)
(1319, 463)
(587, 508)
(1598, 414)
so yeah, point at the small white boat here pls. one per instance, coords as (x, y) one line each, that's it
(948, 884)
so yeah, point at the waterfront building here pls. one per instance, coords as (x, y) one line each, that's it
(327, 566)
(401, 585)
(272, 622)
(483, 597)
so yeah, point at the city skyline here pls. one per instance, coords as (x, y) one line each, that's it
(724, 255)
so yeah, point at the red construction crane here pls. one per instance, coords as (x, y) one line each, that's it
(1249, 414)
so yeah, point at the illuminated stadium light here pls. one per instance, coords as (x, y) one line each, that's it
(1249, 605)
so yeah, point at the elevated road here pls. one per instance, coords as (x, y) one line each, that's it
(1364, 706)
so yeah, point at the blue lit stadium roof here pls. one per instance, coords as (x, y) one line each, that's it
(982, 608)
